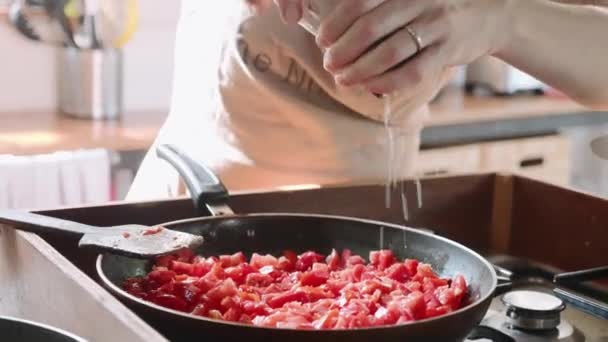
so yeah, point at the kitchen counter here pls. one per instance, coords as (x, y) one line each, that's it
(34, 133)
(455, 119)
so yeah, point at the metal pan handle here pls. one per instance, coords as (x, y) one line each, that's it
(206, 189)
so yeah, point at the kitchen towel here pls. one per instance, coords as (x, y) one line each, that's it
(55, 179)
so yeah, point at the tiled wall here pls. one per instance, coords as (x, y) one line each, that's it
(27, 70)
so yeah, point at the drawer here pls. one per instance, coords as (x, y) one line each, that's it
(544, 158)
(449, 160)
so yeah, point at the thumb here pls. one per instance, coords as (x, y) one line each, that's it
(291, 10)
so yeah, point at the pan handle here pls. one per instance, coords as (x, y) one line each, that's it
(206, 189)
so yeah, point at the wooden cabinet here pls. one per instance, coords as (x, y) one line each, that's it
(545, 158)
(449, 160)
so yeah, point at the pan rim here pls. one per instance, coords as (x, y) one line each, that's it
(43, 326)
(121, 293)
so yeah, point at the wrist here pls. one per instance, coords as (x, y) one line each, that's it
(519, 22)
(507, 20)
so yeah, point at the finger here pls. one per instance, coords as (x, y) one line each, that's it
(342, 17)
(400, 47)
(291, 10)
(369, 30)
(409, 75)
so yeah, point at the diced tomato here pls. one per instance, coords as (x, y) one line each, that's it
(414, 305)
(382, 259)
(314, 278)
(335, 285)
(327, 321)
(185, 255)
(232, 260)
(255, 309)
(355, 260)
(258, 279)
(226, 288)
(398, 272)
(201, 268)
(182, 267)
(333, 260)
(277, 301)
(189, 292)
(258, 261)
(370, 286)
(291, 256)
(200, 310)
(171, 302)
(387, 316)
(459, 285)
(245, 319)
(314, 294)
(165, 260)
(215, 314)
(309, 291)
(285, 264)
(306, 260)
(232, 315)
(412, 266)
(161, 276)
(424, 271)
(438, 311)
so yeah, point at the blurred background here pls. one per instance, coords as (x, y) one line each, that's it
(84, 93)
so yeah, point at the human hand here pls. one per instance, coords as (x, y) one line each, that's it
(386, 45)
(291, 10)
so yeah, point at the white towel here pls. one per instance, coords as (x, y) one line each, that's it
(95, 174)
(56, 179)
(70, 179)
(20, 175)
(4, 189)
(46, 182)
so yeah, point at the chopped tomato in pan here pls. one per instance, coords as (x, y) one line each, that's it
(306, 291)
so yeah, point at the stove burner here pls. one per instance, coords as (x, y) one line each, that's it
(533, 310)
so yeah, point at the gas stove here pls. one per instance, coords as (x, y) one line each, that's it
(535, 309)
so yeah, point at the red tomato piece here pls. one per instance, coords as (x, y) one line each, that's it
(232, 260)
(314, 278)
(278, 300)
(258, 261)
(333, 260)
(398, 272)
(181, 267)
(258, 279)
(306, 260)
(171, 302)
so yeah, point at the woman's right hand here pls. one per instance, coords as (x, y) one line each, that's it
(291, 10)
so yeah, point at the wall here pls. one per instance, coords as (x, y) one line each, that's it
(27, 71)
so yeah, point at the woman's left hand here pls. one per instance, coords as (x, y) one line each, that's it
(388, 45)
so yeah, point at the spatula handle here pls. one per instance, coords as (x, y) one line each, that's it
(35, 223)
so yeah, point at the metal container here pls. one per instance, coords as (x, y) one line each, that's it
(90, 83)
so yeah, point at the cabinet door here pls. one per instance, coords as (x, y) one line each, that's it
(449, 160)
(544, 158)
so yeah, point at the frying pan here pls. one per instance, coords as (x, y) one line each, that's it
(14, 329)
(227, 233)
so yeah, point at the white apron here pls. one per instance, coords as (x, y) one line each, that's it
(267, 114)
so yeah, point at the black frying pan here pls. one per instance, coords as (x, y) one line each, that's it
(14, 329)
(227, 233)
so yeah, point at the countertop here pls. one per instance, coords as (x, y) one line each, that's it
(455, 118)
(44, 132)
